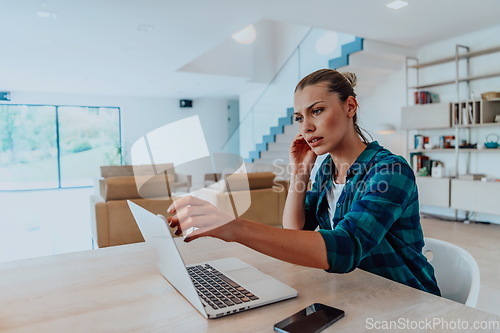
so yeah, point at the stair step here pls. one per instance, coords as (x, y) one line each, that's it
(285, 121)
(268, 138)
(276, 130)
(279, 146)
(254, 154)
(284, 138)
(261, 146)
(347, 50)
(292, 129)
(274, 154)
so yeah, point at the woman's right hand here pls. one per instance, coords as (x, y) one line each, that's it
(302, 157)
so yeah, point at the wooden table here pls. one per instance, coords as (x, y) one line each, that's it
(119, 289)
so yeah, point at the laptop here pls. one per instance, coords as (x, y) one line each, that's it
(215, 288)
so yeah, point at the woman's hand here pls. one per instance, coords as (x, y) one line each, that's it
(302, 157)
(205, 219)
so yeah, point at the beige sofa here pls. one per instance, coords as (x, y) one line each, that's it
(113, 223)
(266, 194)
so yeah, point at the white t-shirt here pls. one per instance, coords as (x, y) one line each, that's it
(333, 196)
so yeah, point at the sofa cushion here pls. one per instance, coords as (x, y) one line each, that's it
(264, 206)
(238, 181)
(137, 170)
(121, 188)
(121, 227)
(256, 180)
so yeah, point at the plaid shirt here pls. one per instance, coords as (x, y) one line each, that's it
(376, 221)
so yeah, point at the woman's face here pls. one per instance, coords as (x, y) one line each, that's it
(324, 121)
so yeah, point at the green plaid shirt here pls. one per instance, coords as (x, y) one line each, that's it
(376, 225)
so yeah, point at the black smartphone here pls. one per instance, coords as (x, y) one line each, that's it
(314, 318)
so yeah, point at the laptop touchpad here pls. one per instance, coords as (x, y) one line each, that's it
(246, 275)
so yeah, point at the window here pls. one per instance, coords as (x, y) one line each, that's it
(56, 146)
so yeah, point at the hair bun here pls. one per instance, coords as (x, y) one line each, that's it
(351, 77)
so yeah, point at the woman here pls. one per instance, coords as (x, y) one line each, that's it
(364, 199)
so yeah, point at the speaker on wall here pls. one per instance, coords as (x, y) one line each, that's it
(186, 103)
(4, 96)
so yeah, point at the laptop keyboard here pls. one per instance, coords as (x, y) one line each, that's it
(216, 289)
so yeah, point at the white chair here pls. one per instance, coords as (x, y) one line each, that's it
(456, 271)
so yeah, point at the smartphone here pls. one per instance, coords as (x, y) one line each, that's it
(314, 318)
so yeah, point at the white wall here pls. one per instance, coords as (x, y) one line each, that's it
(385, 104)
(141, 115)
(273, 49)
(274, 46)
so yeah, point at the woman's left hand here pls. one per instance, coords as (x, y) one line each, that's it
(208, 220)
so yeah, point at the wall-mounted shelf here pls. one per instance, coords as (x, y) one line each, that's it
(464, 79)
(479, 113)
(475, 150)
(478, 125)
(433, 150)
(435, 116)
(452, 150)
(463, 118)
(475, 112)
(467, 55)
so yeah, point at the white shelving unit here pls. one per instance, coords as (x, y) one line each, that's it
(461, 119)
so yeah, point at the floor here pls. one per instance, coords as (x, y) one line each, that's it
(482, 242)
(40, 223)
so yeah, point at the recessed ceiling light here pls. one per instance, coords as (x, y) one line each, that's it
(398, 4)
(46, 14)
(145, 27)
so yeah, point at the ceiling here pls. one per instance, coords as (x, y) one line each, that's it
(100, 46)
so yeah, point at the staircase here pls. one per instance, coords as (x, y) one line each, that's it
(275, 146)
(373, 62)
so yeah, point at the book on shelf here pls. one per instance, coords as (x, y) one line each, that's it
(417, 160)
(414, 160)
(422, 165)
(456, 114)
(420, 141)
(467, 117)
(466, 113)
(426, 169)
(425, 97)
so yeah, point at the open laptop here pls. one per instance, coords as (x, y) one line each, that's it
(215, 288)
